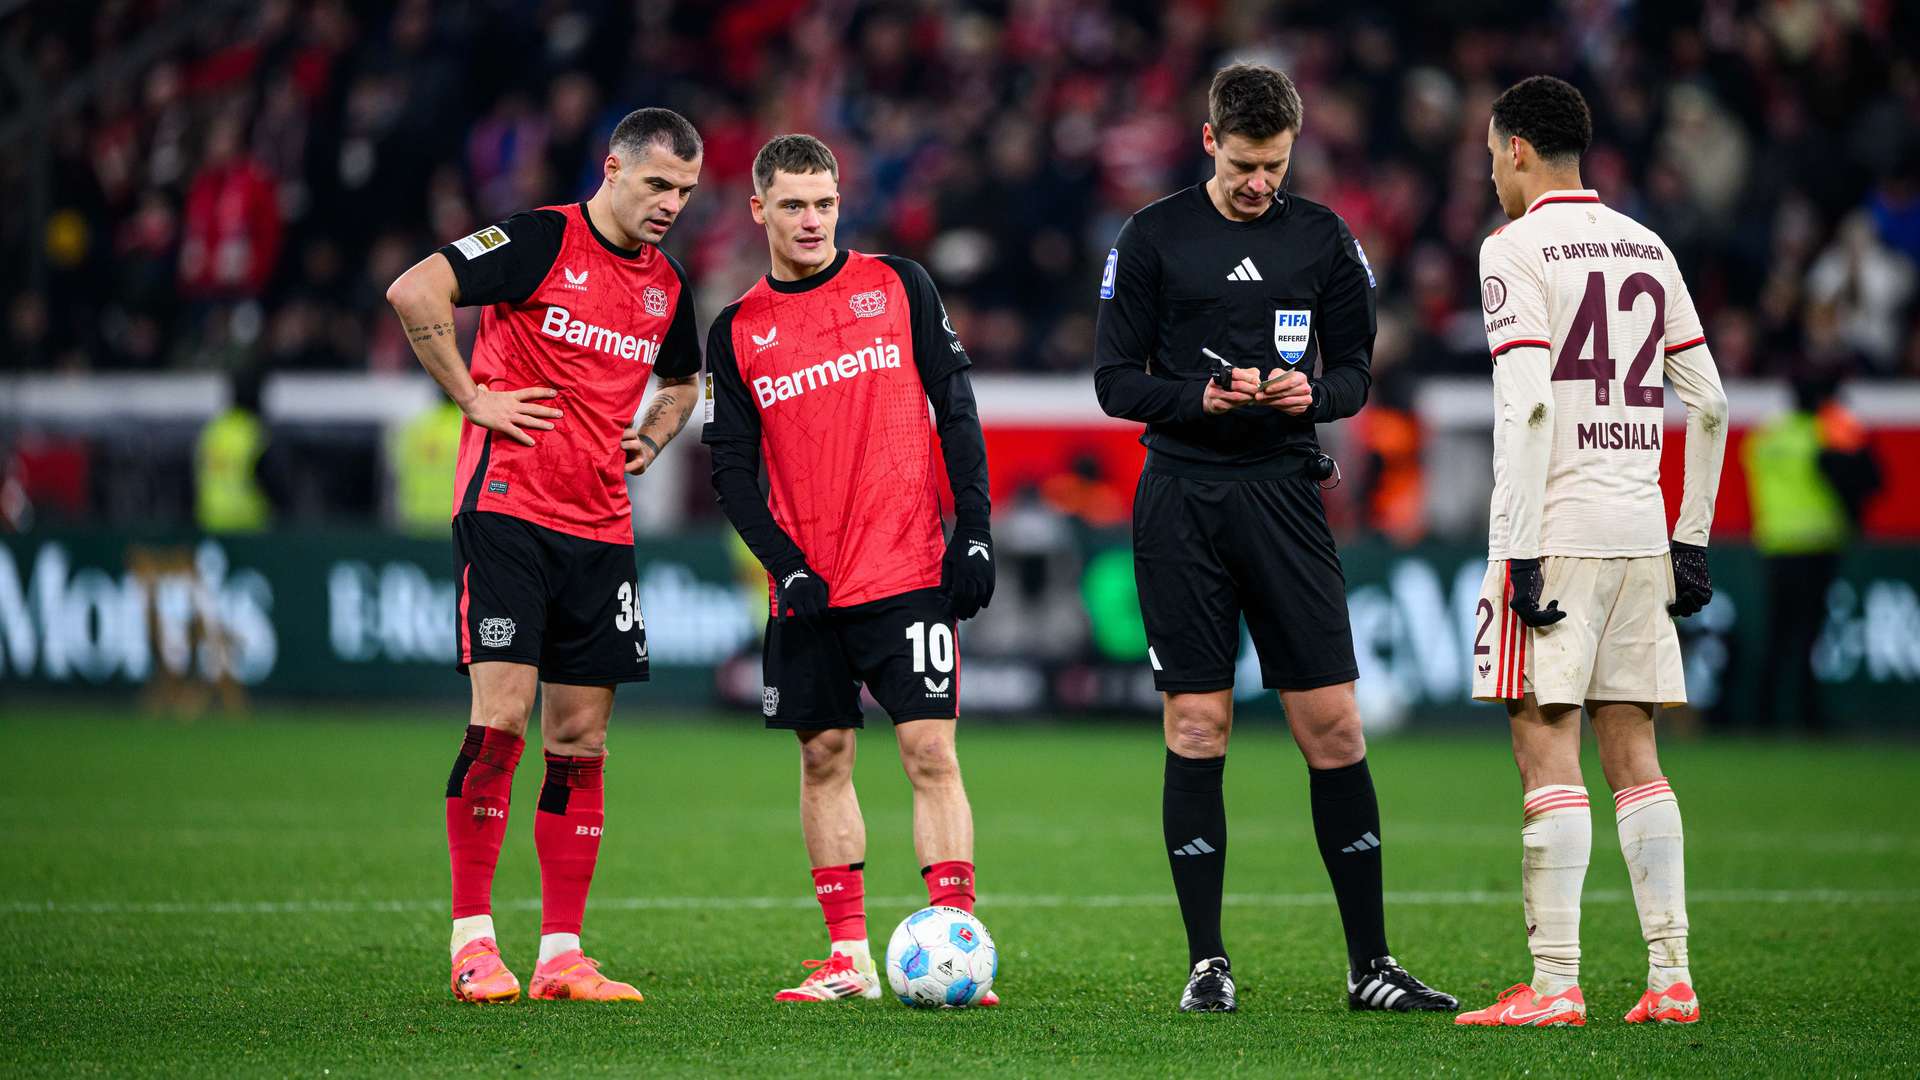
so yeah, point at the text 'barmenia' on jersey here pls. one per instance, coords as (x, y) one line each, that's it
(880, 354)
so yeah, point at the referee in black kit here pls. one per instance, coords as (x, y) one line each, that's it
(1216, 304)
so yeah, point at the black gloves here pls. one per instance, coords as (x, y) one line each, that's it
(1523, 575)
(800, 593)
(966, 573)
(1692, 588)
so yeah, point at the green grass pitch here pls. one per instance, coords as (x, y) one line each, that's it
(268, 897)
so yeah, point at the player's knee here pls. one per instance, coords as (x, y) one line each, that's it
(583, 744)
(1335, 746)
(1328, 730)
(931, 763)
(1197, 725)
(826, 757)
(503, 714)
(577, 736)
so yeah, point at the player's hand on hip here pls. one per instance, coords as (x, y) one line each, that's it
(509, 411)
(1292, 394)
(800, 594)
(1217, 400)
(966, 572)
(640, 450)
(1523, 576)
(1692, 585)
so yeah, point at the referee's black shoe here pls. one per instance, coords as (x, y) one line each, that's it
(1384, 986)
(1210, 988)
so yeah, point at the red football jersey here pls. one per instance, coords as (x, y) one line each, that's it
(568, 310)
(828, 374)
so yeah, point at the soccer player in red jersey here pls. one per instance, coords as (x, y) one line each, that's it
(823, 371)
(581, 306)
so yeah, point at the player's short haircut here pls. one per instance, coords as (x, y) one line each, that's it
(642, 128)
(1547, 112)
(795, 154)
(1253, 101)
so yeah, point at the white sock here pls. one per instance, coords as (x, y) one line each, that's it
(1556, 843)
(861, 953)
(552, 945)
(1651, 842)
(469, 929)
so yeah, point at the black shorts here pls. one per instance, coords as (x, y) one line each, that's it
(530, 595)
(1206, 552)
(905, 649)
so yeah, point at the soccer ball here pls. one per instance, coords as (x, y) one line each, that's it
(941, 957)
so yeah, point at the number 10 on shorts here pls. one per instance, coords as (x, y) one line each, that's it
(931, 644)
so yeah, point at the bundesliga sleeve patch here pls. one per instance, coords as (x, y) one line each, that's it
(1106, 276)
(487, 239)
(708, 395)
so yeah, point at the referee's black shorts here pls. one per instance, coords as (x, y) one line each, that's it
(1206, 552)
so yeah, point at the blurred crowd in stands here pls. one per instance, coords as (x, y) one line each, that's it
(241, 199)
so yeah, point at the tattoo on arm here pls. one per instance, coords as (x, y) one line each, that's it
(428, 331)
(668, 410)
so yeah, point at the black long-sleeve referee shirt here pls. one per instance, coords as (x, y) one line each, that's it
(1290, 288)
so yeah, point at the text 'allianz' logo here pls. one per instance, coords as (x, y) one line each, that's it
(881, 354)
(560, 323)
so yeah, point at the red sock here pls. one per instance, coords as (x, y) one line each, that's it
(566, 833)
(843, 900)
(478, 792)
(949, 884)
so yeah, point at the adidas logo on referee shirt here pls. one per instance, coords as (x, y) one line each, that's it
(1246, 271)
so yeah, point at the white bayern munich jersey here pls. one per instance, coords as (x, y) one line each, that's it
(1585, 314)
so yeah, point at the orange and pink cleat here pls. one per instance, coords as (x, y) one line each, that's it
(836, 978)
(1674, 1005)
(1520, 1006)
(480, 976)
(571, 976)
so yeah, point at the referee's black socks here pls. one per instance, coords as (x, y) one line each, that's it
(1346, 822)
(1193, 815)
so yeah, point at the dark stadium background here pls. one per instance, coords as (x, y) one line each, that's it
(207, 200)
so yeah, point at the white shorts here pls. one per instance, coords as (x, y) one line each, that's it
(1617, 642)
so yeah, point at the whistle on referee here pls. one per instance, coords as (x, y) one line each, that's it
(1223, 372)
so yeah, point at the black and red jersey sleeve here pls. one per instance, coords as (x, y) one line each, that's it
(936, 347)
(732, 433)
(733, 418)
(943, 364)
(680, 350)
(505, 263)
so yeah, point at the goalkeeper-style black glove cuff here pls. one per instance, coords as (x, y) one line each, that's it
(966, 572)
(1523, 576)
(1692, 585)
(800, 594)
